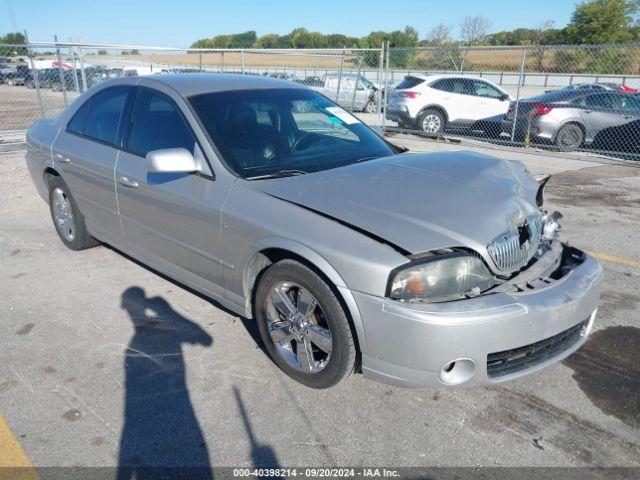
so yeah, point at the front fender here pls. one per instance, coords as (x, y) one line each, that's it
(321, 264)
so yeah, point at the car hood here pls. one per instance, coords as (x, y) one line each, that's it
(419, 201)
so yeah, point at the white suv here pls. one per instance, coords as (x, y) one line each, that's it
(432, 102)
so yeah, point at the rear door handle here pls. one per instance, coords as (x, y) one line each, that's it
(127, 182)
(61, 158)
(627, 116)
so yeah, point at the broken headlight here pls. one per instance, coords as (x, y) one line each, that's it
(440, 278)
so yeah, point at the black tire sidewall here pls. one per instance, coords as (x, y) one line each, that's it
(342, 357)
(565, 148)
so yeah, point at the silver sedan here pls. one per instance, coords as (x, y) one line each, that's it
(351, 254)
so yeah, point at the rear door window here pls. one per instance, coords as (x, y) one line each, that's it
(461, 86)
(601, 101)
(76, 125)
(99, 117)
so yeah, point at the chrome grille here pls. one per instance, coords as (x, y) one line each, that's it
(510, 252)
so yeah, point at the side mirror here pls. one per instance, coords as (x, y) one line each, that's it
(171, 160)
(505, 97)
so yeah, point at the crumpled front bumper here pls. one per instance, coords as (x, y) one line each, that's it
(415, 344)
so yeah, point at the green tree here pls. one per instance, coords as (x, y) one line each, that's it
(270, 40)
(602, 21)
(16, 38)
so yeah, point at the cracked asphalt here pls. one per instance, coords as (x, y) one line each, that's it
(76, 325)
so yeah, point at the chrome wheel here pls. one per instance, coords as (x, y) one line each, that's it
(63, 214)
(298, 327)
(431, 123)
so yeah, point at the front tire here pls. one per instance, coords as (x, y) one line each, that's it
(431, 122)
(371, 107)
(303, 325)
(67, 219)
(569, 137)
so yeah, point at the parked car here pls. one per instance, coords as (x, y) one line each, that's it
(624, 138)
(312, 81)
(438, 269)
(45, 77)
(14, 75)
(571, 119)
(432, 103)
(608, 86)
(349, 88)
(67, 80)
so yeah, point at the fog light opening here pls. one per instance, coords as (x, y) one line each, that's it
(458, 371)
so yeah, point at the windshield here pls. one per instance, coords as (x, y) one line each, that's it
(366, 82)
(263, 132)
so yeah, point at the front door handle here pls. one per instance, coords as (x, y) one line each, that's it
(127, 182)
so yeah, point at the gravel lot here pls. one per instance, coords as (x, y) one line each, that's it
(66, 348)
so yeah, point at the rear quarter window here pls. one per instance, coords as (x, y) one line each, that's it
(409, 82)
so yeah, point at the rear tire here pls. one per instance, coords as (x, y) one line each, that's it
(569, 137)
(67, 219)
(287, 325)
(431, 122)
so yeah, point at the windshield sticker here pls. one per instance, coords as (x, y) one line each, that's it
(343, 115)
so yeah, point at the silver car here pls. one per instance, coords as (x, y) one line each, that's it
(416, 269)
(571, 119)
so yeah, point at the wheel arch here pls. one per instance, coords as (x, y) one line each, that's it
(271, 251)
(437, 107)
(48, 174)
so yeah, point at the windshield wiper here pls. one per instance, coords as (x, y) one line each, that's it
(364, 159)
(278, 174)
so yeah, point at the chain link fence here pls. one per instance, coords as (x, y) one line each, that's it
(40, 79)
(556, 97)
(567, 98)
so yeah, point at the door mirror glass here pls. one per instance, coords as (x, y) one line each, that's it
(171, 160)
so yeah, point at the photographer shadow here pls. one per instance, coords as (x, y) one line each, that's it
(161, 437)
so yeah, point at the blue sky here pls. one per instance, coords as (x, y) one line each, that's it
(180, 22)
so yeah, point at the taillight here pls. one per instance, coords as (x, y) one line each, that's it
(625, 89)
(409, 94)
(541, 108)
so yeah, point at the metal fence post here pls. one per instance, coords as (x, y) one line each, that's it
(520, 78)
(385, 88)
(63, 84)
(355, 87)
(83, 74)
(75, 70)
(340, 78)
(200, 60)
(383, 85)
(222, 61)
(36, 80)
(242, 61)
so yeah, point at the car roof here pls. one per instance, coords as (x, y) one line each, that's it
(561, 95)
(439, 76)
(188, 84)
